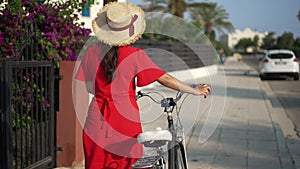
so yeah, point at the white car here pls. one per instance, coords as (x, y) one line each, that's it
(279, 62)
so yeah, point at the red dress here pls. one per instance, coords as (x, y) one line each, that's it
(113, 120)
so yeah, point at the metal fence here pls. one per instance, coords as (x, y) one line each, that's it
(27, 113)
(173, 56)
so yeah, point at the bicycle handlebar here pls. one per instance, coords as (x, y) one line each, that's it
(141, 94)
(165, 102)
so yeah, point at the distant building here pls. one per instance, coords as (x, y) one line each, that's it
(233, 38)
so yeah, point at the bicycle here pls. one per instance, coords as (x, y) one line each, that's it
(173, 138)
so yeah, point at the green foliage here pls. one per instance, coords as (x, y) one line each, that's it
(286, 41)
(56, 23)
(269, 42)
(28, 96)
(255, 41)
(296, 47)
(170, 28)
(205, 15)
(35, 30)
(174, 7)
(222, 46)
(211, 17)
(244, 43)
(21, 121)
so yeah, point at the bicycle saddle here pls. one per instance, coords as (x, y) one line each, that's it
(155, 138)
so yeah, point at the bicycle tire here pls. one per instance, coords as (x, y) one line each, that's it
(180, 157)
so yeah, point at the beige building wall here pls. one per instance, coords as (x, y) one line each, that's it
(233, 38)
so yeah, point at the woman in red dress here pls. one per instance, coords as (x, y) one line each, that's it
(112, 70)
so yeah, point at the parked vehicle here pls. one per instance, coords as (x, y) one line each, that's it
(279, 62)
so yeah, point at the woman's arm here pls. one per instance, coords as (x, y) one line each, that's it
(173, 83)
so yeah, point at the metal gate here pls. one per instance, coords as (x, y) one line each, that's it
(27, 115)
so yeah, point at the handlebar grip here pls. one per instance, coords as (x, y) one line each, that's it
(194, 85)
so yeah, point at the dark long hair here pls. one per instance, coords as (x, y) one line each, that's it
(109, 63)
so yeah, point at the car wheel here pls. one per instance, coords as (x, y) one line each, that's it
(296, 77)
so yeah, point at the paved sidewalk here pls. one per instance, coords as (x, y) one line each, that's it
(251, 133)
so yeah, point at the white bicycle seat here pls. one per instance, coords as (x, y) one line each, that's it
(155, 138)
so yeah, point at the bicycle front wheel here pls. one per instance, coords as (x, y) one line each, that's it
(180, 158)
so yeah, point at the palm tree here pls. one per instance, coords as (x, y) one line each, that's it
(174, 7)
(211, 17)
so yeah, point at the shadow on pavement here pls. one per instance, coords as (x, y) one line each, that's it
(240, 92)
(236, 145)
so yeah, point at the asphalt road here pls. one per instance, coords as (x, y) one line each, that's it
(287, 91)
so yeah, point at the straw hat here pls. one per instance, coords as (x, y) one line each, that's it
(119, 23)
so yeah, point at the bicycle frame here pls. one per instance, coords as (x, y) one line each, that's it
(174, 146)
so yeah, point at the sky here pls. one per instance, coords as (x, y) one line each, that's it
(277, 16)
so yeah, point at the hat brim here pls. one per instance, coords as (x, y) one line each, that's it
(118, 38)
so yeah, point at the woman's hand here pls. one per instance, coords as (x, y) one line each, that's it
(202, 89)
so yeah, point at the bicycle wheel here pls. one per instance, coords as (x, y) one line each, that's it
(180, 157)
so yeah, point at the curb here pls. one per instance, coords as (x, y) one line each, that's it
(283, 126)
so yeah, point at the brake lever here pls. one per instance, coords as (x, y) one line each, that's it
(139, 95)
